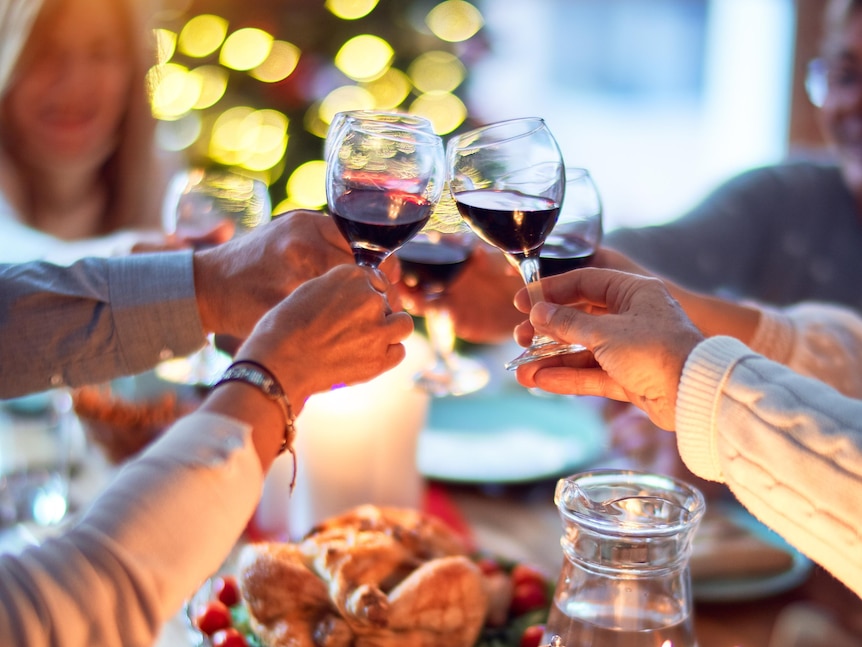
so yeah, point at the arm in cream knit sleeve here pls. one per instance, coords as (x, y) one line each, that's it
(788, 446)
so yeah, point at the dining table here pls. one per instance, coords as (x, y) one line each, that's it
(519, 520)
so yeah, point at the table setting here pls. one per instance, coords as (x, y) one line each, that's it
(461, 510)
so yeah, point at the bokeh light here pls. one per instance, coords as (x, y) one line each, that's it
(213, 85)
(166, 44)
(364, 57)
(306, 186)
(245, 49)
(174, 90)
(252, 139)
(454, 21)
(436, 71)
(444, 110)
(202, 35)
(281, 62)
(180, 134)
(390, 90)
(351, 9)
(347, 97)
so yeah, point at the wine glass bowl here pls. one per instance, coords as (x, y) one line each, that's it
(382, 183)
(370, 117)
(197, 202)
(508, 181)
(200, 200)
(578, 232)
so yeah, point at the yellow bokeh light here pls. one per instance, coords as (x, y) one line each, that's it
(454, 20)
(213, 85)
(245, 48)
(174, 91)
(253, 139)
(347, 97)
(166, 44)
(350, 9)
(444, 110)
(436, 71)
(390, 90)
(306, 186)
(364, 57)
(281, 62)
(202, 35)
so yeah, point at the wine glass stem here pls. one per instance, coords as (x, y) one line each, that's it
(529, 268)
(441, 332)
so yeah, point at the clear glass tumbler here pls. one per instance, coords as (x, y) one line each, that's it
(625, 580)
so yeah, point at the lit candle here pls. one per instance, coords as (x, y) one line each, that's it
(357, 445)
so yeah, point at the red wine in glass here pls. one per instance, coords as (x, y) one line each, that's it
(560, 255)
(378, 221)
(428, 268)
(514, 222)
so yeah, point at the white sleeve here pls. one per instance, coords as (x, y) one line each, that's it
(166, 523)
(789, 448)
(819, 340)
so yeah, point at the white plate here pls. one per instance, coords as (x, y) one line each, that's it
(509, 437)
(739, 589)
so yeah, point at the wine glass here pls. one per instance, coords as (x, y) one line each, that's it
(578, 232)
(430, 262)
(402, 119)
(508, 180)
(382, 183)
(197, 202)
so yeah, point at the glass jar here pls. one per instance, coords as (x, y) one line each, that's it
(626, 543)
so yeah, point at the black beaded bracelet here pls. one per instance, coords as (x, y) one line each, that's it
(257, 375)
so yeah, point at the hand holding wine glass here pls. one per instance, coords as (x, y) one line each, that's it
(508, 181)
(382, 183)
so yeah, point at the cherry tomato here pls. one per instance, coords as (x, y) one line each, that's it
(488, 565)
(227, 590)
(525, 573)
(532, 636)
(527, 596)
(213, 616)
(229, 637)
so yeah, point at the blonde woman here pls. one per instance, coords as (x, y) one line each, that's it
(80, 173)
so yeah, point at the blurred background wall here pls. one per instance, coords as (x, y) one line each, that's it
(661, 99)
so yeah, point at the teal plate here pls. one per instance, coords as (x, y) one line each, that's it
(509, 437)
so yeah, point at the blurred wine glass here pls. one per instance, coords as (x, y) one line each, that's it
(508, 180)
(199, 202)
(430, 262)
(578, 232)
(382, 182)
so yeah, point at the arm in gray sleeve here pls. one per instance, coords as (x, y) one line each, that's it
(94, 320)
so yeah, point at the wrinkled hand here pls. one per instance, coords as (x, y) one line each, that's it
(238, 282)
(638, 337)
(335, 329)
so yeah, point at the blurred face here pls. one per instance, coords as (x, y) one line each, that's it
(70, 90)
(841, 114)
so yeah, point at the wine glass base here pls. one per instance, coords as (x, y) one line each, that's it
(543, 351)
(463, 375)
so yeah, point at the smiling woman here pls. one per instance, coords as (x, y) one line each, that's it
(77, 155)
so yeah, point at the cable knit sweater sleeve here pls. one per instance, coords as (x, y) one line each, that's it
(819, 340)
(789, 447)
